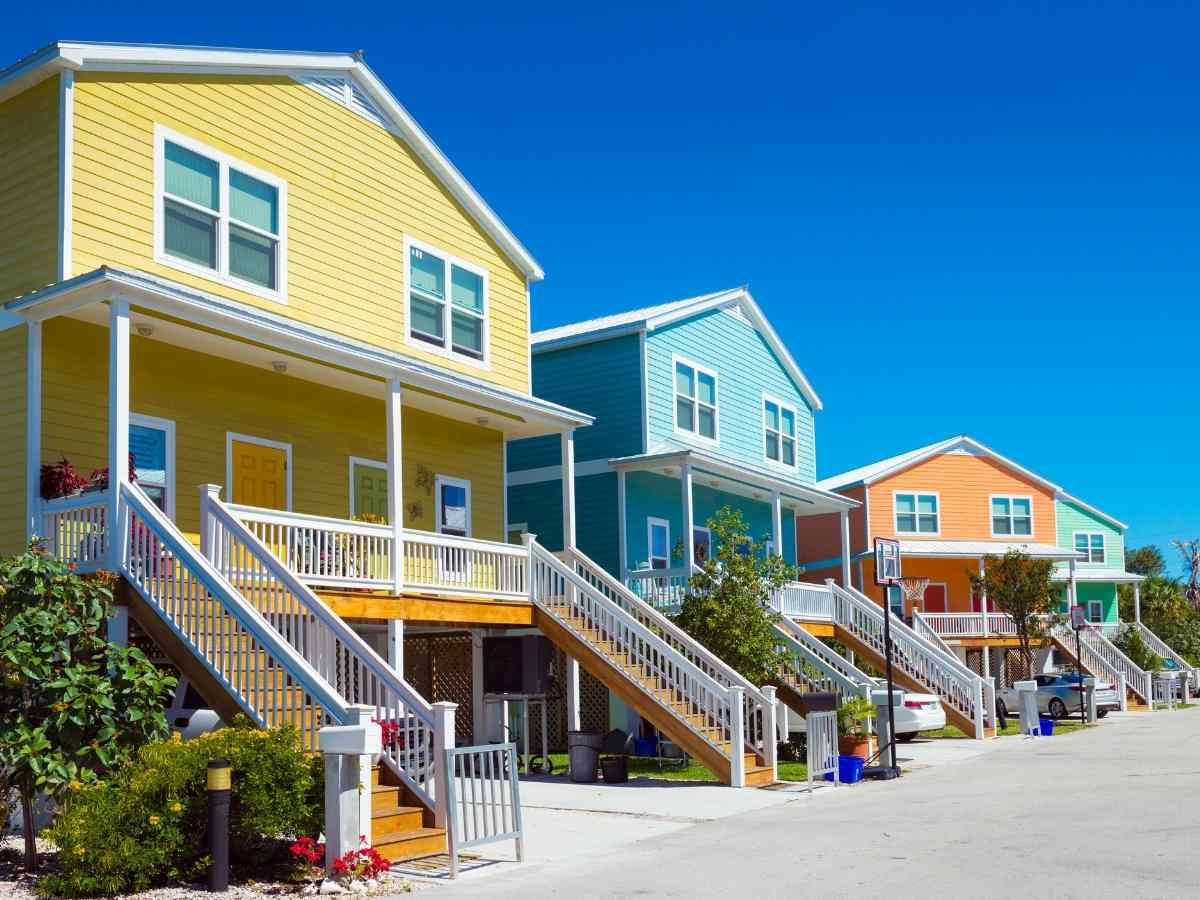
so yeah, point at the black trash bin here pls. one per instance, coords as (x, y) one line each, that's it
(615, 769)
(583, 752)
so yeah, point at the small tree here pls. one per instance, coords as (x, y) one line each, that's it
(1021, 586)
(1130, 642)
(72, 705)
(727, 604)
(1146, 560)
(1190, 551)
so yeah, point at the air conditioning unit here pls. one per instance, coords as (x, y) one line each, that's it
(517, 665)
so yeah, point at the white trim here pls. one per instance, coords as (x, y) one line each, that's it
(651, 522)
(795, 438)
(231, 436)
(1011, 516)
(447, 351)
(168, 427)
(1088, 561)
(916, 494)
(504, 469)
(361, 461)
(33, 428)
(698, 369)
(554, 473)
(66, 170)
(225, 163)
(440, 480)
(622, 525)
(118, 417)
(645, 391)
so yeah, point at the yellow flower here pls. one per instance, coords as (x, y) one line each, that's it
(176, 807)
(75, 784)
(154, 820)
(176, 737)
(79, 851)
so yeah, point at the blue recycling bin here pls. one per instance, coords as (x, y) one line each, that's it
(850, 769)
(1046, 727)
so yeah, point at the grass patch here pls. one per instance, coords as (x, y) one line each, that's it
(640, 767)
(1061, 726)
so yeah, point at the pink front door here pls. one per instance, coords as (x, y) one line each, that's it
(935, 599)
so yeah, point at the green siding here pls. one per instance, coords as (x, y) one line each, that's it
(1072, 518)
(539, 507)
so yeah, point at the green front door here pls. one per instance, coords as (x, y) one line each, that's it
(370, 492)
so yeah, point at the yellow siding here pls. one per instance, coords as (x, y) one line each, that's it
(29, 190)
(12, 439)
(354, 192)
(206, 397)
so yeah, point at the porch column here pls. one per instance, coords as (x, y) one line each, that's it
(33, 428)
(478, 714)
(395, 487)
(568, 488)
(777, 522)
(983, 609)
(572, 691)
(622, 525)
(1137, 602)
(689, 545)
(395, 645)
(1072, 588)
(118, 420)
(844, 515)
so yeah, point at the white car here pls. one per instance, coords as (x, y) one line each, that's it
(915, 713)
(188, 714)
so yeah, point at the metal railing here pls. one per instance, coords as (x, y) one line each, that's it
(75, 529)
(483, 799)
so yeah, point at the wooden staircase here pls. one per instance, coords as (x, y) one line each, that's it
(402, 827)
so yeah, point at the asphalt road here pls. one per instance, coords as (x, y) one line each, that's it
(1111, 812)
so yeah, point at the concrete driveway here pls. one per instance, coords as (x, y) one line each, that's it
(1111, 812)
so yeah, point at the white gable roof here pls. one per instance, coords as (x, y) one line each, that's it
(650, 318)
(365, 93)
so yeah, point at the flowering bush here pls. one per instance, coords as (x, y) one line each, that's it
(392, 736)
(99, 477)
(364, 863)
(61, 480)
(309, 857)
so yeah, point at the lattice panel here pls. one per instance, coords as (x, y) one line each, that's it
(593, 712)
(1015, 668)
(439, 667)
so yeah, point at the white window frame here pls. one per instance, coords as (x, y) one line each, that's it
(781, 405)
(231, 436)
(360, 461)
(697, 369)
(1011, 517)
(168, 426)
(1098, 605)
(1103, 546)
(438, 482)
(225, 162)
(707, 531)
(916, 493)
(651, 522)
(448, 351)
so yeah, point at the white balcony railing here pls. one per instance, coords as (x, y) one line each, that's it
(662, 589)
(807, 602)
(972, 624)
(75, 529)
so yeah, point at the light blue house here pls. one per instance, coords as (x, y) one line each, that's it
(697, 405)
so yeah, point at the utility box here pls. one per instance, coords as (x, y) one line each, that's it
(1027, 692)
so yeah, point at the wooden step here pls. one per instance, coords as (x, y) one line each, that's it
(386, 797)
(759, 776)
(402, 845)
(396, 819)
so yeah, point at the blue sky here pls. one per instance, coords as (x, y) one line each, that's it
(961, 217)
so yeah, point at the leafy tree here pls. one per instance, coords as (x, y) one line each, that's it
(72, 705)
(1130, 642)
(1019, 585)
(1166, 612)
(1146, 560)
(727, 604)
(1190, 551)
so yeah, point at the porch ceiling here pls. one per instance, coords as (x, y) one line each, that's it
(977, 549)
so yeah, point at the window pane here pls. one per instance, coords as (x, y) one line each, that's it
(467, 333)
(428, 272)
(708, 389)
(1021, 506)
(1000, 525)
(772, 416)
(426, 318)
(789, 452)
(927, 503)
(999, 506)
(251, 256)
(1081, 543)
(683, 414)
(904, 503)
(466, 289)
(148, 446)
(772, 446)
(253, 202)
(928, 524)
(190, 176)
(1022, 526)
(789, 423)
(683, 380)
(906, 522)
(658, 541)
(189, 235)
(708, 422)
(454, 509)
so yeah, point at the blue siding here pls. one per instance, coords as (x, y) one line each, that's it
(596, 529)
(746, 367)
(602, 379)
(650, 495)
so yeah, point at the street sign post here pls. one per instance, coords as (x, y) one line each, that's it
(1079, 622)
(887, 575)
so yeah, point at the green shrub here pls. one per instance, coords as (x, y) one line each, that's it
(147, 824)
(1130, 642)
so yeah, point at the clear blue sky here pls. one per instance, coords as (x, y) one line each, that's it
(989, 216)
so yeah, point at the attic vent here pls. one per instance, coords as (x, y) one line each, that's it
(736, 311)
(345, 92)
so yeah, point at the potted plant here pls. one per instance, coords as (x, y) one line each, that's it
(60, 480)
(853, 737)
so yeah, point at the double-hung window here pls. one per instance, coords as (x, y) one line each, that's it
(695, 400)
(447, 302)
(779, 429)
(219, 217)
(658, 537)
(152, 446)
(916, 513)
(1012, 516)
(1091, 545)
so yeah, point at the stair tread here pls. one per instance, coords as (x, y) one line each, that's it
(396, 837)
(396, 811)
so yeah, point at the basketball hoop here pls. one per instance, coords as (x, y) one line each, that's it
(913, 590)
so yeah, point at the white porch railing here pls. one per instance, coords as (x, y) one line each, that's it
(815, 665)
(1159, 646)
(801, 600)
(662, 589)
(484, 799)
(1104, 660)
(922, 626)
(75, 529)
(972, 624)
(339, 552)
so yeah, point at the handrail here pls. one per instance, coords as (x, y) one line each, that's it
(1064, 634)
(1159, 646)
(337, 650)
(75, 501)
(848, 677)
(785, 600)
(922, 627)
(1137, 678)
(149, 554)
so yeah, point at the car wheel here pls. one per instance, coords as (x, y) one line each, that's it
(1058, 709)
(1001, 710)
(906, 737)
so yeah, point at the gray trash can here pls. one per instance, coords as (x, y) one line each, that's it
(583, 752)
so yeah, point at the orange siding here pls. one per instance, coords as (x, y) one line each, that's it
(819, 537)
(954, 573)
(963, 484)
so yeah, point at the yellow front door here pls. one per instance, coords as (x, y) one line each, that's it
(259, 475)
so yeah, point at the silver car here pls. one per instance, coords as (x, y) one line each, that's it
(1059, 696)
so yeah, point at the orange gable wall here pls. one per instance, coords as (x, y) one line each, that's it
(820, 537)
(963, 484)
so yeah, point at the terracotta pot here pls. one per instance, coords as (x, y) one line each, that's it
(855, 745)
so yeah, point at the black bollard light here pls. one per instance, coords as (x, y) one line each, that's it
(218, 825)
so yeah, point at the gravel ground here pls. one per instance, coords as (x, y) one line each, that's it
(15, 883)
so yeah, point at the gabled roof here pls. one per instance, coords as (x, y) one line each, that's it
(651, 318)
(303, 66)
(1069, 498)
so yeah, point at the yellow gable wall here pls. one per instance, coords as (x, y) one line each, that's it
(207, 397)
(354, 193)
